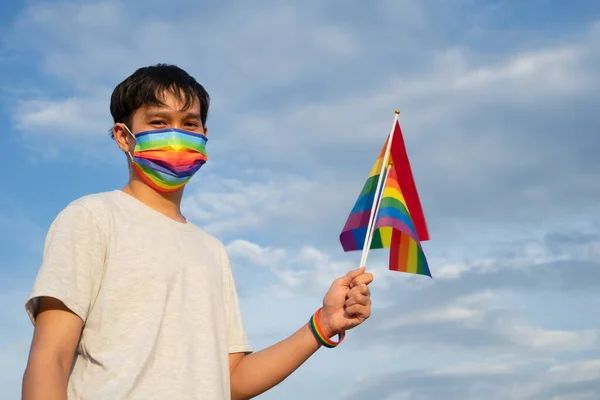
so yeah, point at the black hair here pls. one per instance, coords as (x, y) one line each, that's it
(147, 85)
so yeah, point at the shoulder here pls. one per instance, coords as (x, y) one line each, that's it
(97, 203)
(92, 209)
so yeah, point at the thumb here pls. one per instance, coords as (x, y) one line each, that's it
(349, 277)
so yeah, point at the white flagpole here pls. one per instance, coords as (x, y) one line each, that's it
(375, 206)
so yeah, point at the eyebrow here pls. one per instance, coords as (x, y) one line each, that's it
(166, 115)
(192, 115)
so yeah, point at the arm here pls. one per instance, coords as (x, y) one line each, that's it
(258, 372)
(346, 305)
(55, 338)
(67, 282)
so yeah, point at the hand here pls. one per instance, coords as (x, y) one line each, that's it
(347, 304)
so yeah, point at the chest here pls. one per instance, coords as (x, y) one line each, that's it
(160, 255)
(160, 269)
(161, 297)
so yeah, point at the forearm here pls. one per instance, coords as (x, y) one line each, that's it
(45, 380)
(260, 371)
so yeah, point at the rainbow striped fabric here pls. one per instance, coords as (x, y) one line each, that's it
(166, 159)
(399, 224)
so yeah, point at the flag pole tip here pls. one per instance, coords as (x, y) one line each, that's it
(397, 112)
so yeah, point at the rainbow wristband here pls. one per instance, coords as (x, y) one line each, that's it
(315, 328)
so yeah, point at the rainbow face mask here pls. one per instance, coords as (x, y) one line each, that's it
(166, 159)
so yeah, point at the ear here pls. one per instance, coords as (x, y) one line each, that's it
(205, 128)
(123, 138)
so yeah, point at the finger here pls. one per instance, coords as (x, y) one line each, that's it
(359, 311)
(359, 299)
(349, 277)
(360, 289)
(365, 278)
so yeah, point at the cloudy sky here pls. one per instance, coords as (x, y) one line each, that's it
(499, 103)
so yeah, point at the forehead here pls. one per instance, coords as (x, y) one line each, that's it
(173, 104)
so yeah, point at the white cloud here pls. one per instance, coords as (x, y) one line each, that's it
(457, 82)
(551, 340)
(518, 379)
(452, 271)
(239, 52)
(471, 119)
(303, 269)
(422, 311)
(481, 320)
(548, 71)
(275, 45)
(263, 257)
(251, 203)
(446, 314)
(70, 119)
(580, 371)
(475, 369)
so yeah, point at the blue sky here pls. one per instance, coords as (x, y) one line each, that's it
(499, 107)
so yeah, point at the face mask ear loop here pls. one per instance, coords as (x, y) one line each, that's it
(133, 136)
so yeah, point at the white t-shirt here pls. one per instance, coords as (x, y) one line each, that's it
(157, 297)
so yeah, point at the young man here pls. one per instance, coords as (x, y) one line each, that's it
(132, 301)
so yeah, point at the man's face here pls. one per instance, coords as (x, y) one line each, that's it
(171, 115)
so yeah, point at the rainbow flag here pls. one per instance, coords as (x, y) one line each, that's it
(399, 223)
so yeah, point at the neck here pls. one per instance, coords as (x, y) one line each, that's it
(167, 204)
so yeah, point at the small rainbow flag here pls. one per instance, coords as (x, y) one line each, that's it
(399, 223)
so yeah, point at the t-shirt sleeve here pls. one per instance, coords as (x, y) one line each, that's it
(72, 264)
(236, 334)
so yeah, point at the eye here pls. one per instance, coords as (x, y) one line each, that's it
(192, 124)
(157, 122)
